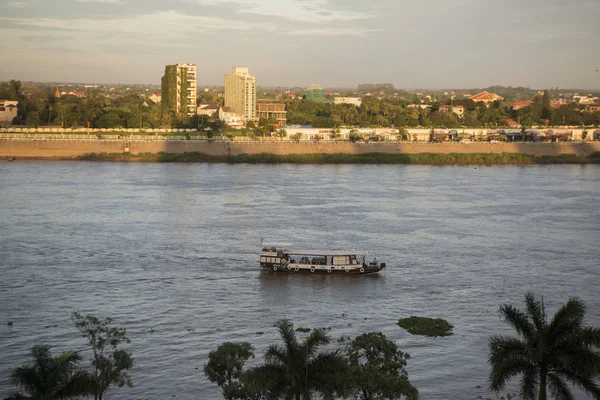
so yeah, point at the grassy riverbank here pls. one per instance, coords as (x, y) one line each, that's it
(345, 158)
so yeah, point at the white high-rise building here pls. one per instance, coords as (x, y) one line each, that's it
(240, 92)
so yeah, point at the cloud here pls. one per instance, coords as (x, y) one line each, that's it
(101, 1)
(308, 11)
(359, 32)
(165, 24)
(17, 4)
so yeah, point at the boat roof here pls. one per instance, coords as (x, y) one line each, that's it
(324, 252)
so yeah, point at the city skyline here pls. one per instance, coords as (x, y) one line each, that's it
(286, 43)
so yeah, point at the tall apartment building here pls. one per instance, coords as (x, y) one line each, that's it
(240, 92)
(178, 87)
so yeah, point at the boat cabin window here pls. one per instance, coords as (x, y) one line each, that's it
(304, 260)
(341, 260)
(319, 260)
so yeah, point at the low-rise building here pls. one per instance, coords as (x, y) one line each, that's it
(155, 97)
(8, 111)
(78, 94)
(592, 107)
(486, 97)
(517, 105)
(275, 111)
(421, 106)
(458, 110)
(208, 108)
(355, 101)
(231, 118)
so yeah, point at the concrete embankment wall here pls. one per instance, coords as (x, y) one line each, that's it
(72, 148)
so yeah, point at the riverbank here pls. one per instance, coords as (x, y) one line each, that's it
(343, 158)
(221, 151)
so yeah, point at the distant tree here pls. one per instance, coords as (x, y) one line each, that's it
(110, 120)
(546, 112)
(377, 369)
(250, 125)
(225, 367)
(296, 136)
(547, 355)
(297, 370)
(354, 137)
(49, 377)
(403, 134)
(110, 363)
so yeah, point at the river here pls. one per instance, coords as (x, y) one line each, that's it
(170, 252)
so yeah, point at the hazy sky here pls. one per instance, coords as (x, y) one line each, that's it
(336, 43)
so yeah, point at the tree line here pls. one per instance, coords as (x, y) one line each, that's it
(387, 112)
(49, 377)
(39, 106)
(550, 357)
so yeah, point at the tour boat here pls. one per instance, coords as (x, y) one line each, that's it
(283, 259)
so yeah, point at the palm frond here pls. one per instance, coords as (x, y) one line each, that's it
(535, 311)
(567, 319)
(503, 372)
(575, 357)
(28, 379)
(519, 321)
(288, 334)
(503, 347)
(558, 388)
(590, 336)
(316, 339)
(42, 357)
(585, 381)
(529, 384)
(276, 355)
(80, 383)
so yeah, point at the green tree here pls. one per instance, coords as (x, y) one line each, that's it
(297, 370)
(547, 355)
(49, 377)
(110, 363)
(296, 137)
(377, 369)
(282, 133)
(225, 366)
(110, 120)
(546, 112)
(354, 137)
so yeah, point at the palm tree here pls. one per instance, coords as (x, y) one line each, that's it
(547, 355)
(296, 370)
(49, 377)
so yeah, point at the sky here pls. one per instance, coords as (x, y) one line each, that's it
(336, 43)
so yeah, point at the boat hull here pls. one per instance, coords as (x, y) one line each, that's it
(326, 269)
